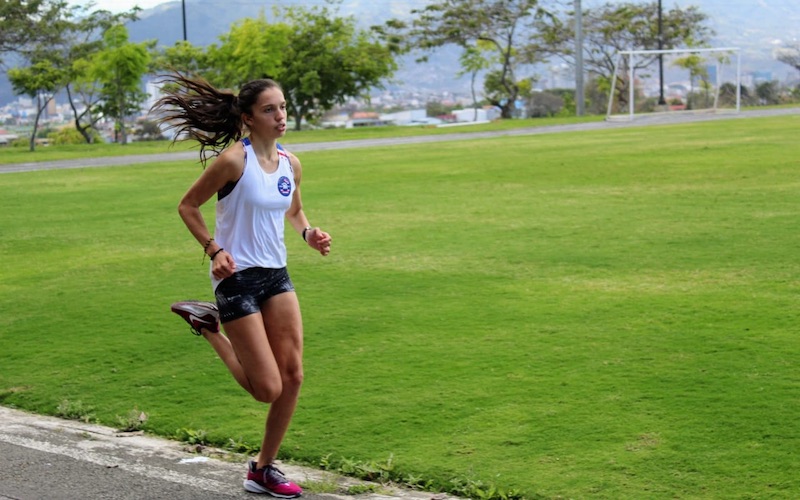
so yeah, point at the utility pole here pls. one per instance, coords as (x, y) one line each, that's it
(661, 101)
(183, 8)
(579, 90)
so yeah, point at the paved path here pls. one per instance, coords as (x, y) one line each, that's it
(644, 120)
(48, 458)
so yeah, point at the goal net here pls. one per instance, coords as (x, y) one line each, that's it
(675, 80)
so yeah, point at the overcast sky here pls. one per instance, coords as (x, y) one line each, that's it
(119, 5)
(123, 5)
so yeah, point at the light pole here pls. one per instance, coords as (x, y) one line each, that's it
(579, 100)
(661, 101)
(183, 8)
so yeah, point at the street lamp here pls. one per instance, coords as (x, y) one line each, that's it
(579, 97)
(661, 101)
(183, 7)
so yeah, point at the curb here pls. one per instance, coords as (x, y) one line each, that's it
(164, 465)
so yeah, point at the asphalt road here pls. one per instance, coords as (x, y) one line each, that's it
(45, 458)
(641, 121)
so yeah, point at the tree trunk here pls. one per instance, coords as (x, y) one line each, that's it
(123, 134)
(507, 110)
(39, 108)
(84, 131)
(123, 137)
(474, 98)
(298, 120)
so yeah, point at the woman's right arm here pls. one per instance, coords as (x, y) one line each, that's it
(226, 168)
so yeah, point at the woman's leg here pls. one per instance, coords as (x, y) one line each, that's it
(284, 327)
(250, 347)
(222, 346)
(264, 352)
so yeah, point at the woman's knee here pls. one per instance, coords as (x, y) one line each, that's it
(293, 379)
(268, 391)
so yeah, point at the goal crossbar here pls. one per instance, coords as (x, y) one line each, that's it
(631, 68)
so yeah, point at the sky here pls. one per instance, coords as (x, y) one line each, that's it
(119, 5)
(124, 5)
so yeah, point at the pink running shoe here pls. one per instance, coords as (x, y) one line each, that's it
(198, 314)
(271, 481)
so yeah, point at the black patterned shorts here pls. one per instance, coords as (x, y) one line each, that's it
(246, 291)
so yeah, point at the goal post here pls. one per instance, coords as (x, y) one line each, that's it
(628, 62)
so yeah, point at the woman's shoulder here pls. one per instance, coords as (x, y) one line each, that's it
(233, 152)
(293, 160)
(231, 160)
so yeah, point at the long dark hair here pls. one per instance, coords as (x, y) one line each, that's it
(195, 108)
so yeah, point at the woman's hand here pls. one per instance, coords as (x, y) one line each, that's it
(319, 240)
(223, 265)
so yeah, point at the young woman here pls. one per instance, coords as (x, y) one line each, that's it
(257, 186)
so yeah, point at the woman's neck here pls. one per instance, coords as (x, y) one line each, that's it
(267, 148)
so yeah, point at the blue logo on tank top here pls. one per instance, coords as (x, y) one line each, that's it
(284, 186)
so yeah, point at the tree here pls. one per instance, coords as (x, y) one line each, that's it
(727, 94)
(544, 104)
(79, 43)
(40, 80)
(437, 109)
(183, 57)
(329, 60)
(252, 49)
(768, 93)
(66, 36)
(695, 65)
(188, 59)
(500, 24)
(84, 100)
(148, 130)
(790, 54)
(319, 59)
(472, 61)
(615, 27)
(26, 22)
(118, 69)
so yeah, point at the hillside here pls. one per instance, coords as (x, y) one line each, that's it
(756, 26)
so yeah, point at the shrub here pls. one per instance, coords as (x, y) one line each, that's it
(543, 104)
(70, 135)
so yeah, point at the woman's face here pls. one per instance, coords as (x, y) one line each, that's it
(268, 117)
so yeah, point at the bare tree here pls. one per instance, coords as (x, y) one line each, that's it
(789, 54)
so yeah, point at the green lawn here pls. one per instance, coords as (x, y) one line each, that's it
(608, 314)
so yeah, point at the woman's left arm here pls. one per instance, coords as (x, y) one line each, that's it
(316, 238)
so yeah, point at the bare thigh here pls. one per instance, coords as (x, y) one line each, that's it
(283, 325)
(269, 346)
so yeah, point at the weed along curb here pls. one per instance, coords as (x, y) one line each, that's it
(87, 461)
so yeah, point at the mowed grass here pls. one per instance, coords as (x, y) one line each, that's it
(608, 314)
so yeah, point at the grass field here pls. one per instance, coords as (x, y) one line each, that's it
(607, 314)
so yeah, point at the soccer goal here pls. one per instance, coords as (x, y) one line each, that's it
(694, 80)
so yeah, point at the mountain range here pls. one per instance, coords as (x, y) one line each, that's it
(756, 26)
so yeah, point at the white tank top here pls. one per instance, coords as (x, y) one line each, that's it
(250, 218)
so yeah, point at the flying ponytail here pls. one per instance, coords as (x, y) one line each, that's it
(195, 109)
